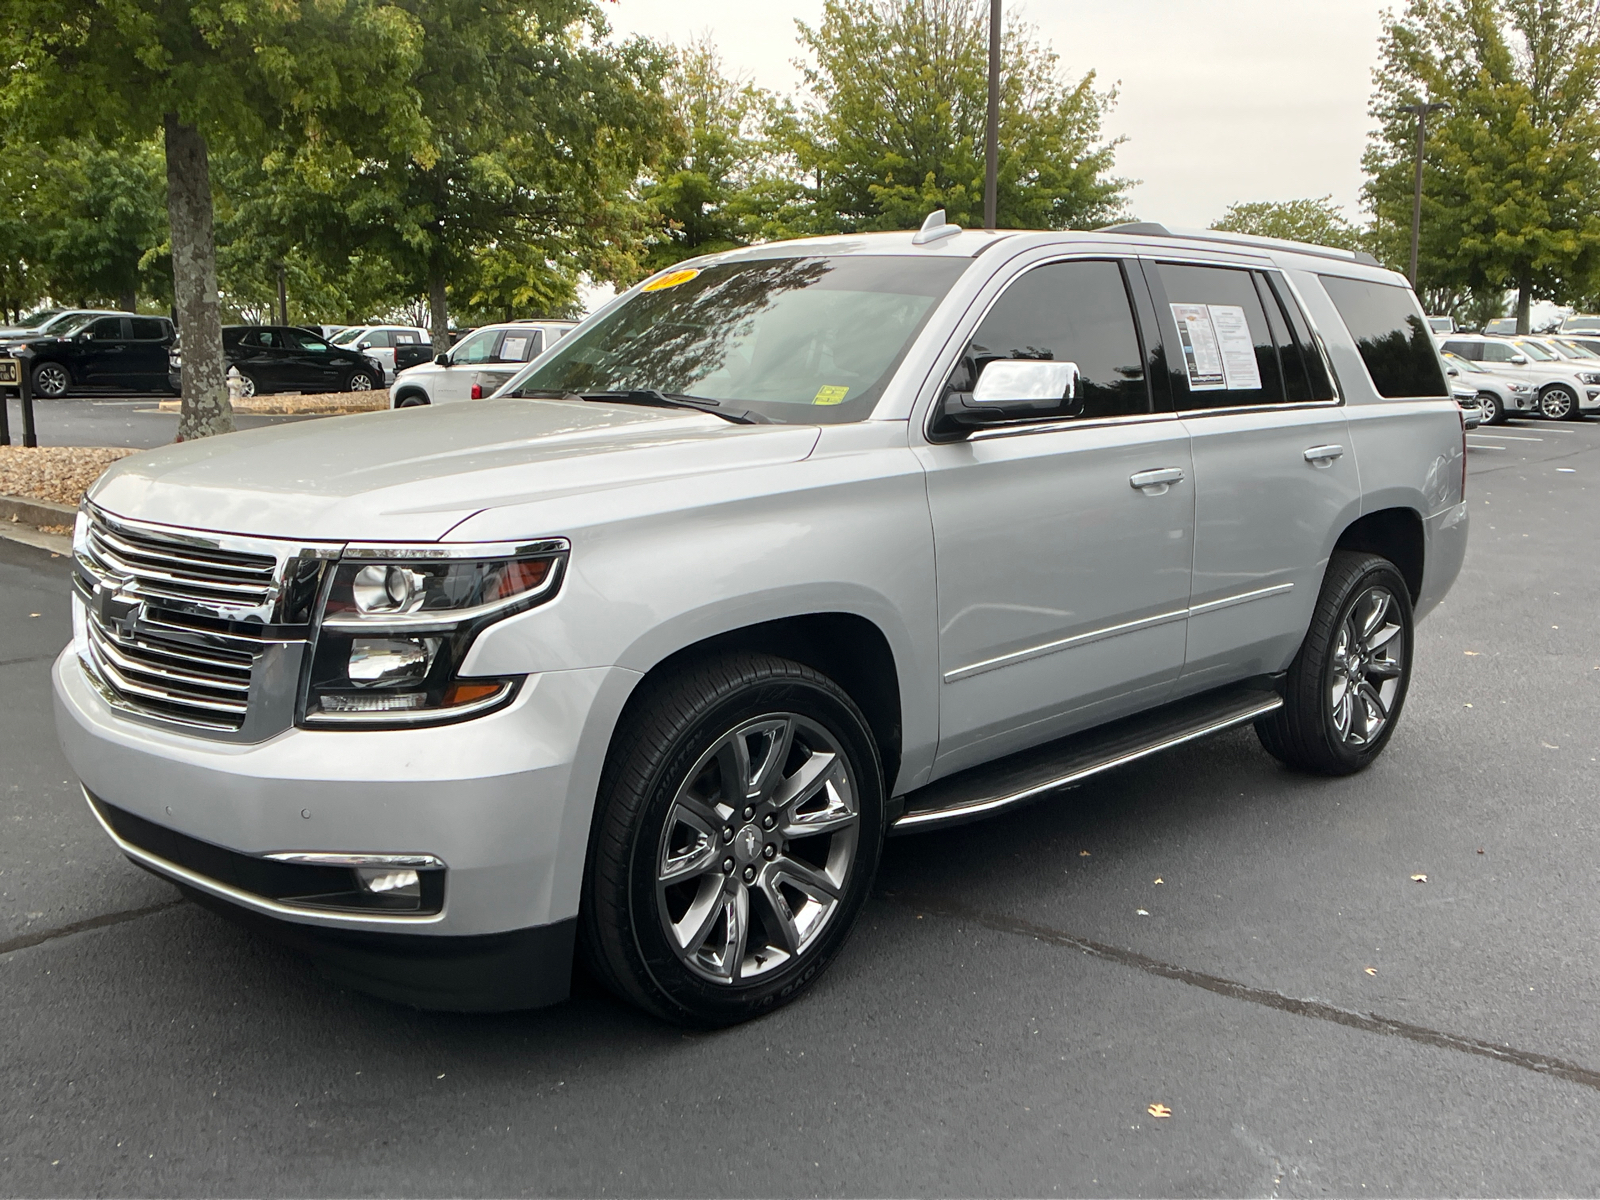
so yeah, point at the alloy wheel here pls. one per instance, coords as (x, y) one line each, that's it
(51, 380)
(1367, 669)
(757, 849)
(360, 381)
(1489, 406)
(1557, 403)
(247, 386)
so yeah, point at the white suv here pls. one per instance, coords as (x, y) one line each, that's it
(1566, 389)
(477, 365)
(784, 551)
(378, 342)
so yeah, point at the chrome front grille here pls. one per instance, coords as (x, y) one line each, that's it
(174, 570)
(202, 630)
(172, 677)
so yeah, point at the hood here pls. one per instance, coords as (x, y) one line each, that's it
(414, 473)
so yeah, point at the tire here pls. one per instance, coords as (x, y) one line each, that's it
(1325, 726)
(360, 380)
(51, 380)
(674, 868)
(1558, 403)
(247, 386)
(411, 400)
(1489, 406)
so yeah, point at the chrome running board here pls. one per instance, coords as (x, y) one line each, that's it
(1018, 778)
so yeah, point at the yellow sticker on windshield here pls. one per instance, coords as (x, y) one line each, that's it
(831, 395)
(671, 280)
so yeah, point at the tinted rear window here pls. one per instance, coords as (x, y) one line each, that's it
(1392, 335)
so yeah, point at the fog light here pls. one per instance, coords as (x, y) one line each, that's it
(390, 662)
(389, 881)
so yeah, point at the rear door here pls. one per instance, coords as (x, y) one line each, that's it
(148, 340)
(1063, 547)
(312, 360)
(1275, 478)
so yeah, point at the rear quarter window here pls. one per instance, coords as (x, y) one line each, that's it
(1392, 335)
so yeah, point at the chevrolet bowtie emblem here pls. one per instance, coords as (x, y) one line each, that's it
(114, 607)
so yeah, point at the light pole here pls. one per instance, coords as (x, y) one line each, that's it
(283, 293)
(1421, 111)
(991, 133)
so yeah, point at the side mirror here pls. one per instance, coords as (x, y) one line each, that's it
(1520, 359)
(441, 360)
(1452, 371)
(1013, 390)
(363, 345)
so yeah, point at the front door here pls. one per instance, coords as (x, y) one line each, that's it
(1274, 471)
(102, 355)
(1063, 548)
(467, 360)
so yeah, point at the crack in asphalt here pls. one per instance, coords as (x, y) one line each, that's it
(1542, 1064)
(100, 922)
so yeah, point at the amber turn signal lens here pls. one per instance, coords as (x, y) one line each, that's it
(466, 693)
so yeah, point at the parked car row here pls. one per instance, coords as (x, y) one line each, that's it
(1557, 377)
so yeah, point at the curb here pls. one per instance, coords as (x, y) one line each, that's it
(20, 517)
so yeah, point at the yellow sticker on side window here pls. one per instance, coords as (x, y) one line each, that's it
(671, 280)
(831, 395)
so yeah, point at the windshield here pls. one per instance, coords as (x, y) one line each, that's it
(71, 325)
(794, 340)
(1465, 364)
(1577, 350)
(39, 319)
(1536, 352)
(347, 336)
(1581, 325)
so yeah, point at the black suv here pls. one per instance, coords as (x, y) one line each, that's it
(98, 352)
(287, 358)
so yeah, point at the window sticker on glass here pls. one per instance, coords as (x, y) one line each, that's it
(1201, 354)
(831, 395)
(1238, 347)
(514, 349)
(670, 280)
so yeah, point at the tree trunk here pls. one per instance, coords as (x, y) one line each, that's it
(205, 408)
(1524, 300)
(129, 301)
(438, 309)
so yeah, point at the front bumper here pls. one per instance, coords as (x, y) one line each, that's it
(493, 798)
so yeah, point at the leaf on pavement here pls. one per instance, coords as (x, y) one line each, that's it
(1370, 970)
(1419, 879)
(1471, 653)
(1160, 1111)
(1083, 854)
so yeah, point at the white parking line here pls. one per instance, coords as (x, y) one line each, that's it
(1506, 437)
(1483, 446)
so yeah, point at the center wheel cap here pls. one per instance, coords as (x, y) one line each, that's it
(747, 844)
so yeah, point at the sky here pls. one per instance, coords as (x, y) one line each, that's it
(1219, 102)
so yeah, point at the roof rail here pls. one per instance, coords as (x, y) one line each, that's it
(1156, 229)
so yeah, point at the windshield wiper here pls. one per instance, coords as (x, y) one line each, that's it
(656, 398)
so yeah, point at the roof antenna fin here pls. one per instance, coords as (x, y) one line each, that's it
(934, 228)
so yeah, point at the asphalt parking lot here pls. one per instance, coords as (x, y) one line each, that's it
(111, 421)
(1203, 931)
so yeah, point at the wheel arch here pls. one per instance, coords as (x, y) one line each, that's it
(410, 392)
(1395, 534)
(849, 648)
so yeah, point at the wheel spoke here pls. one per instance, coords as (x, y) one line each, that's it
(1383, 668)
(814, 882)
(700, 856)
(736, 918)
(782, 920)
(696, 925)
(1341, 711)
(1380, 608)
(1373, 709)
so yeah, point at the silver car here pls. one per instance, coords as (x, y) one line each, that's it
(1499, 396)
(784, 551)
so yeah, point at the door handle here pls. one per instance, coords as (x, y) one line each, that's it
(1155, 482)
(1322, 456)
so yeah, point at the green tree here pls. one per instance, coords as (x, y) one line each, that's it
(1512, 167)
(714, 186)
(537, 131)
(894, 121)
(198, 74)
(1320, 222)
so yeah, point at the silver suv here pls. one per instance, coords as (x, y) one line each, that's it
(782, 552)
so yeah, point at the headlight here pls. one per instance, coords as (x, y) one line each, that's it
(1519, 388)
(396, 623)
(1589, 376)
